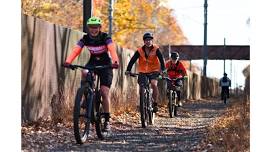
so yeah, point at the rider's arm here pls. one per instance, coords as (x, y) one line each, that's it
(76, 51)
(167, 64)
(112, 50)
(160, 57)
(133, 60)
(181, 66)
(229, 82)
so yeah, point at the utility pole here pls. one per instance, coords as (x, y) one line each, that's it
(231, 70)
(224, 49)
(205, 51)
(190, 65)
(170, 50)
(87, 13)
(231, 73)
(110, 17)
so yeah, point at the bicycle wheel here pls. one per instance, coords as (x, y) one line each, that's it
(99, 117)
(174, 106)
(81, 115)
(143, 110)
(170, 104)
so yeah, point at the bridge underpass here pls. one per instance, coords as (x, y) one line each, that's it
(234, 53)
(215, 52)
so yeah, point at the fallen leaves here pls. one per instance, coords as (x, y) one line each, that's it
(232, 128)
(183, 132)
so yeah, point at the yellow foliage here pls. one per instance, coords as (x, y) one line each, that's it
(131, 19)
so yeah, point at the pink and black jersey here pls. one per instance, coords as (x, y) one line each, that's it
(101, 49)
(97, 47)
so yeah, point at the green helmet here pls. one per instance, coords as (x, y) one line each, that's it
(94, 21)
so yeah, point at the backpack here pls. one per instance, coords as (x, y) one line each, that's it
(224, 79)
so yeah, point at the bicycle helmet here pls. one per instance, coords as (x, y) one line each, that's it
(94, 21)
(174, 55)
(148, 35)
(225, 74)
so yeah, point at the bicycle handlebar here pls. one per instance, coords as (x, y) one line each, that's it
(134, 74)
(167, 78)
(90, 68)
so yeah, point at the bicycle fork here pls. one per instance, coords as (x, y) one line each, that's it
(89, 104)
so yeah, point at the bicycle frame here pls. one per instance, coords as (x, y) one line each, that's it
(146, 102)
(171, 90)
(90, 92)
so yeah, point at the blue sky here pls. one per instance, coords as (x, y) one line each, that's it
(226, 19)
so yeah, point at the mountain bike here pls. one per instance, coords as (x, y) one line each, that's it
(172, 95)
(146, 102)
(88, 109)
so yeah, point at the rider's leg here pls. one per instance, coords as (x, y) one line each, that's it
(104, 91)
(155, 89)
(228, 92)
(155, 94)
(105, 84)
(178, 95)
(222, 92)
(178, 92)
(178, 84)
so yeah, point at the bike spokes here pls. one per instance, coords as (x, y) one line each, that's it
(81, 115)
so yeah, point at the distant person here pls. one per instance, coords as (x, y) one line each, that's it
(176, 69)
(225, 83)
(150, 65)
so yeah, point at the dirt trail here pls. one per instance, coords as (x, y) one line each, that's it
(182, 133)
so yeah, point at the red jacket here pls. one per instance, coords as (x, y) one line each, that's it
(176, 70)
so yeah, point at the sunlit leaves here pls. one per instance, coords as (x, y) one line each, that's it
(65, 13)
(131, 18)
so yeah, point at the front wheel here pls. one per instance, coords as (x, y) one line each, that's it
(82, 114)
(143, 109)
(99, 117)
(170, 104)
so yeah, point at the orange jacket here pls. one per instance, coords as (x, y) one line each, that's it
(150, 64)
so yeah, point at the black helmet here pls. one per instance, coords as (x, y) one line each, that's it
(148, 35)
(174, 55)
(225, 74)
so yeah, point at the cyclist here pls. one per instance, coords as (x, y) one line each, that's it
(102, 50)
(225, 83)
(175, 70)
(150, 63)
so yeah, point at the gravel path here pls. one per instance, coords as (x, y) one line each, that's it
(182, 133)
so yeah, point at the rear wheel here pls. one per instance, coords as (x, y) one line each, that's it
(82, 114)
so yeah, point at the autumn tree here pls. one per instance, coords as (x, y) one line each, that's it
(131, 18)
(63, 12)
